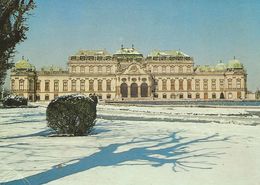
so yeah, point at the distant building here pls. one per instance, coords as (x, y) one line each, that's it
(127, 74)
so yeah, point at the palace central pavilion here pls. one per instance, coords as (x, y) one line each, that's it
(128, 75)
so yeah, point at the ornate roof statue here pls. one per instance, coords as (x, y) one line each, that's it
(127, 53)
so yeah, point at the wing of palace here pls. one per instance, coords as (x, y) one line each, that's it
(127, 75)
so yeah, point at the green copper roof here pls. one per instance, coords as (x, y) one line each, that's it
(221, 66)
(174, 53)
(92, 53)
(24, 64)
(235, 64)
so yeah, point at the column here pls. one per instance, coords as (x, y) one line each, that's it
(139, 91)
(129, 91)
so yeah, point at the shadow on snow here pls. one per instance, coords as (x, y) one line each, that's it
(170, 149)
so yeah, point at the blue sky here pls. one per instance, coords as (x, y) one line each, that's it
(208, 30)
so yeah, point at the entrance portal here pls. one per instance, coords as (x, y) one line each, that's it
(134, 90)
(144, 90)
(124, 90)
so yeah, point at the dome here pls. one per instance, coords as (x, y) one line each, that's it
(220, 67)
(235, 64)
(24, 64)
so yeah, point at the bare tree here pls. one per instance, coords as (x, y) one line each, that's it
(13, 16)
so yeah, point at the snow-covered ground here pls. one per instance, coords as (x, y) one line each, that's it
(134, 145)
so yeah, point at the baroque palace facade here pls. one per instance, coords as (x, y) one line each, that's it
(128, 75)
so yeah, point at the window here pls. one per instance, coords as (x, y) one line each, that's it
(189, 69)
(180, 69)
(197, 96)
(82, 57)
(214, 96)
(65, 85)
(73, 85)
(108, 69)
(197, 85)
(181, 84)
(205, 84)
(47, 97)
(230, 83)
(213, 84)
(172, 69)
(173, 96)
(164, 96)
(56, 85)
(189, 95)
(82, 69)
(108, 96)
(91, 85)
(56, 95)
(181, 96)
(221, 84)
(38, 98)
(238, 83)
(21, 85)
(38, 85)
(73, 68)
(164, 69)
(47, 85)
(230, 95)
(164, 85)
(82, 85)
(189, 84)
(100, 69)
(172, 84)
(155, 69)
(108, 85)
(91, 69)
(99, 85)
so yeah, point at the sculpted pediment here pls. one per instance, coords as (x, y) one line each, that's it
(134, 69)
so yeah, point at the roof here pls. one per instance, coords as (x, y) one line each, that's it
(235, 64)
(92, 52)
(24, 64)
(127, 51)
(52, 68)
(174, 53)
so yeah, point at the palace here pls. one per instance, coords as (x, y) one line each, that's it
(128, 75)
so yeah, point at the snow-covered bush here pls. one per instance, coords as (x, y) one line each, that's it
(14, 101)
(71, 114)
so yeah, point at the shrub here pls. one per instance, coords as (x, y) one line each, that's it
(14, 101)
(71, 114)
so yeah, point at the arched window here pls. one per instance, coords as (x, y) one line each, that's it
(164, 84)
(108, 85)
(99, 85)
(91, 85)
(73, 85)
(172, 84)
(82, 85)
(181, 84)
(144, 90)
(134, 90)
(124, 90)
